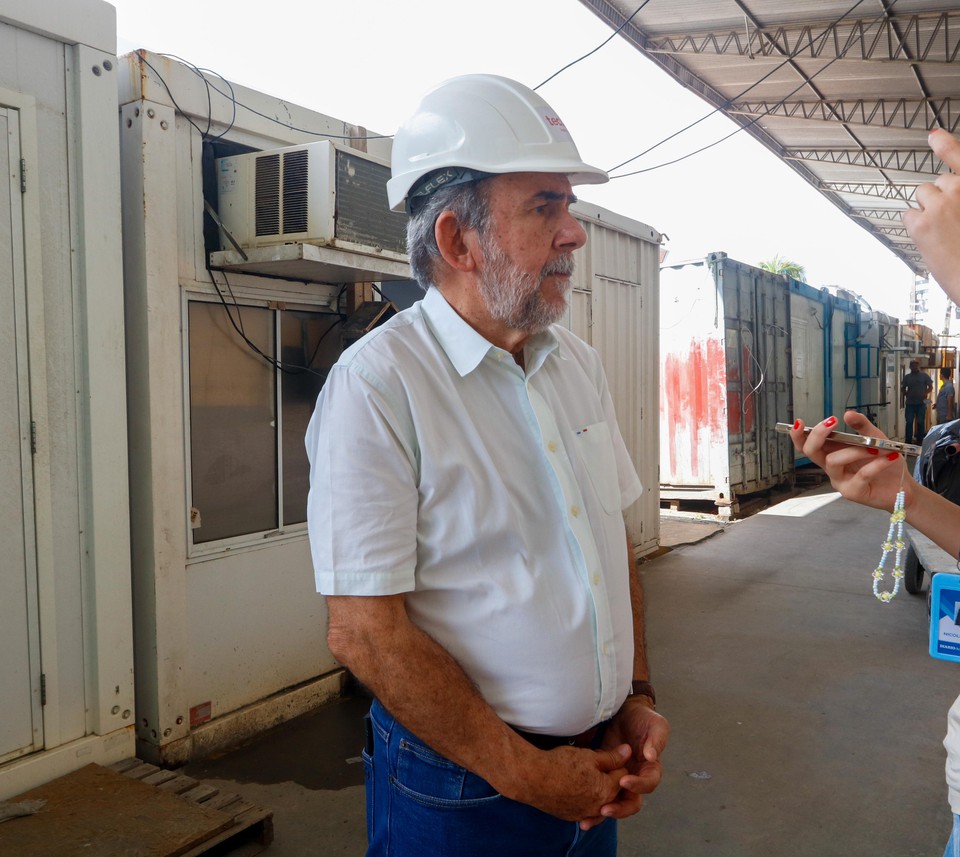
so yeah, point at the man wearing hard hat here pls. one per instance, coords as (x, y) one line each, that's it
(467, 486)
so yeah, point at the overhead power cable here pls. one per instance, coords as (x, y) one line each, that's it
(597, 48)
(737, 97)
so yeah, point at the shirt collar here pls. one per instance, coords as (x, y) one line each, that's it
(466, 348)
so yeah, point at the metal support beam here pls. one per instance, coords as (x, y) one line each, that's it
(904, 160)
(890, 214)
(883, 190)
(932, 37)
(907, 113)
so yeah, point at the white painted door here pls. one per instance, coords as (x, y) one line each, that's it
(20, 697)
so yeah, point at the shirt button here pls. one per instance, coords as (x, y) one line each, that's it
(575, 511)
(552, 446)
(604, 648)
(596, 580)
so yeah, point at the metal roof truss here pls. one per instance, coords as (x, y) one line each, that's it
(873, 77)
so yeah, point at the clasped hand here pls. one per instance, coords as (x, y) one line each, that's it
(637, 727)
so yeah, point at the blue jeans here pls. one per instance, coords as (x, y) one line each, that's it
(916, 412)
(420, 804)
(953, 845)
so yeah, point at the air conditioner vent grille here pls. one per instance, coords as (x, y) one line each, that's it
(266, 195)
(295, 176)
(363, 214)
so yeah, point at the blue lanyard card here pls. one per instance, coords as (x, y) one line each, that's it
(945, 617)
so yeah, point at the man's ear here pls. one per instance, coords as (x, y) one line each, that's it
(458, 248)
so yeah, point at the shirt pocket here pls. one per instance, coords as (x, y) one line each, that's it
(595, 448)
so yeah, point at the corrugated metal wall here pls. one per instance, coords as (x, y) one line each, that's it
(615, 308)
(843, 358)
(726, 379)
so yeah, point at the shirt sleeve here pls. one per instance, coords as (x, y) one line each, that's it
(362, 505)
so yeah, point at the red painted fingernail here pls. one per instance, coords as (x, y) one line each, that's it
(893, 456)
(874, 451)
(830, 422)
(796, 425)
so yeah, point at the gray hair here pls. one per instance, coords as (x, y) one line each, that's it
(469, 205)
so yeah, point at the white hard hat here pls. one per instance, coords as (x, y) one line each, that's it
(478, 125)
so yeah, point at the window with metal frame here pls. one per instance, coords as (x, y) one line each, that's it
(254, 372)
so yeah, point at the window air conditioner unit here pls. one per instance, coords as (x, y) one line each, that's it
(317, 193)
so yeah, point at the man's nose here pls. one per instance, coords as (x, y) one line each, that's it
(571, 235)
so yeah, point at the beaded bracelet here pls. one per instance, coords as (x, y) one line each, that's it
(893, 541)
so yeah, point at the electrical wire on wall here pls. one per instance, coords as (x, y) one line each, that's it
(237, 324)
(235, 103)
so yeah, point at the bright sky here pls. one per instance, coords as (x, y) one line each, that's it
(369, 62)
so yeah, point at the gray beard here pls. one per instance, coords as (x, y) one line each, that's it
(513, 296)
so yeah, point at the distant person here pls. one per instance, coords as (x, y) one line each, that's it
(862, 474)
(946, 397)
(914, 391)
(467, 484)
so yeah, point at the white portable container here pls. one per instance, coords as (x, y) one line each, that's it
(614, 307)
(230, 630)
(66, 671)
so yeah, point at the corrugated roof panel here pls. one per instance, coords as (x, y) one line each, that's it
(845, 95)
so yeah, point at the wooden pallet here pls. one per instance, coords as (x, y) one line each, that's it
(133, 809)
(251, 828)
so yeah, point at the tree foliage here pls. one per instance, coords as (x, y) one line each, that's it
(779, 265)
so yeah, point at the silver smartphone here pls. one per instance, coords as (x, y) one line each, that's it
(862, 440)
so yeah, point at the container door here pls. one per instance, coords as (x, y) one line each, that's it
(758, 377)
(20, 711)
(744, 376)
(773, 399)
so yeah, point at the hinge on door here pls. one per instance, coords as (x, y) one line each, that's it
(23, 175)
(43, 688)
(33, 438)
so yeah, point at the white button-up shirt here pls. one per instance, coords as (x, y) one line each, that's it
(492, 497)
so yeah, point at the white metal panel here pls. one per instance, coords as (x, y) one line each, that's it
(269, 123)
(156, 383)
(43, 72)
(807, 342)
(693, 382)
(91, 22)
(270, 594)
(97, 269)
(71, 247)
(20, 714)
(619, 270)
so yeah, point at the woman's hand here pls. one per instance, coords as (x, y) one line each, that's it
(863, 474)
(935, 225)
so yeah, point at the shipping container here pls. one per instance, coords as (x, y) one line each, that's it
(844, 358)
(614, 307)
(66, 671)
(725, 380)
(880, 390)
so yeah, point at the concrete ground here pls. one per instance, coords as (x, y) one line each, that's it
(807, 717)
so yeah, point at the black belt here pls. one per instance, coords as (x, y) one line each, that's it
(589, 739)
